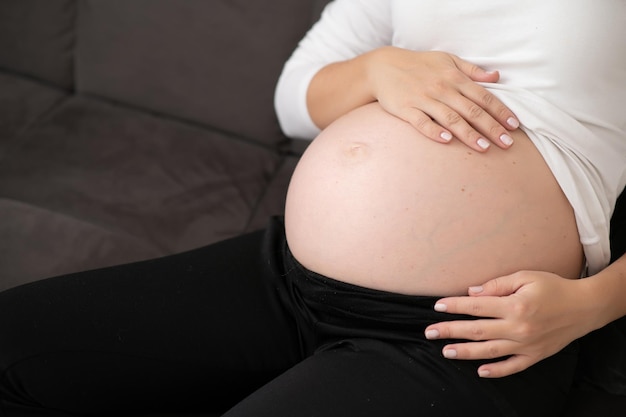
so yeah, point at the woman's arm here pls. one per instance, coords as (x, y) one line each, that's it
(346, 61)
(346, 29)
(532, 315)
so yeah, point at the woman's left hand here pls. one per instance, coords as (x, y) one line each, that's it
(527, 316)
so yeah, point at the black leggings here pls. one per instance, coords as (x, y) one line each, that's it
(241, 328)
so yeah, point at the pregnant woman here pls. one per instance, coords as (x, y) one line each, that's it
(432, 174)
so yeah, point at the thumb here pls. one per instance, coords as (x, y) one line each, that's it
(498, 287)
(476, 73)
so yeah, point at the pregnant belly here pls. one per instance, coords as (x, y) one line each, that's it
(374, 203)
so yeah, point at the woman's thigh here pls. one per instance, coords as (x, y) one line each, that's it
(198, 330)
(366, 378)
(373, 378)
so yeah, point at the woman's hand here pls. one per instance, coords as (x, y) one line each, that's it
(529, 316)
(438, 94)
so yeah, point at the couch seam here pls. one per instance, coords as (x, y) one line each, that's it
(231, 135)
(98, 226)
(15, 139)
(263, 194)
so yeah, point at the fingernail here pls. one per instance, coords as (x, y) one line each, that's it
(483, 373)
(446, 136)
(513, 122)
(507, 140)
(441, 307)
(477, 289)
(450, 354)
(483, 143)
(432, 334)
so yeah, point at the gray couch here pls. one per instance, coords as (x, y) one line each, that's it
(134, 129)
(131, 129)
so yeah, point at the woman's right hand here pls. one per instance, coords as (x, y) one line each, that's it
(438, 94)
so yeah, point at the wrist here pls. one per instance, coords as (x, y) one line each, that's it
(605, 293)
(338, 88)
(371, 66)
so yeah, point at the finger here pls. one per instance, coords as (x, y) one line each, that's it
(475, 330)
(488, 350)
(474, 306)
(482, 97)
(474, 72)
(458, 125)
(500, 286)
(425, 125)
(480, 117)
(509, 366)
(491, 104)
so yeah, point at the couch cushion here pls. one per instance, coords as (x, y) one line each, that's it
(39, 242)
(273, 201)
(214, 63)
(96, 184)
(37, 39)
(22, 102)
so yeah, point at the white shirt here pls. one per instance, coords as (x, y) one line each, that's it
(563, 73)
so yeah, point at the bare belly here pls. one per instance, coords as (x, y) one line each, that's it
(374, 203)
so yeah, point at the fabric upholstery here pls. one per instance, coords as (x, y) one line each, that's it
(215, 63)
(94, 179)
(22, 102)
(37, 39)
(273, 199)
